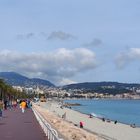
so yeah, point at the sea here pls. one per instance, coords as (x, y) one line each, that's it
(124, 111)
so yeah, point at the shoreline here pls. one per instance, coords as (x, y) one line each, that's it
(94, 125)
(99, 99)
(101, 117)
(66, 129)
(137, 126)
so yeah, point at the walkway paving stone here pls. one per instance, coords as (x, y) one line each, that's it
(16, 125)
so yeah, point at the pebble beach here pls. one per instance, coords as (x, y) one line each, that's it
(94, 128)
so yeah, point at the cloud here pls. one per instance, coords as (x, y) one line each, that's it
(25, 36)
(56, 35)
(58, 66)
(95, 42)
(66, 81)
(59, 35)
(124, 58)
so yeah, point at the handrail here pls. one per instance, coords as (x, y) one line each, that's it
(48, 130)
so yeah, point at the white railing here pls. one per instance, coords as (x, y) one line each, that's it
(48, 130)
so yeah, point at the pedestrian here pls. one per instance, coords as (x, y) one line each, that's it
(133, 125)
(23, 106)
(14, 103)
(64, 116)
(1, 107)
(10, 104)
(103, 119)
(5, 104)
(28, 103)
(90, 116)
(81, 124)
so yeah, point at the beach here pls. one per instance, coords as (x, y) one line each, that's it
(94, 128)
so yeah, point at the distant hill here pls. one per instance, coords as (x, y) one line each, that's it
(13, 78)
(92, 85)
(104, 87)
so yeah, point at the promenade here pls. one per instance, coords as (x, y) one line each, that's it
(16, 125)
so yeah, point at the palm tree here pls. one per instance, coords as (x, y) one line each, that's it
(7, 91)
(2, 86)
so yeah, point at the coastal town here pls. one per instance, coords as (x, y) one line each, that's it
(69, 124)
(50, 92)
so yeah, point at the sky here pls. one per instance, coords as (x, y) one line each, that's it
(71, 41)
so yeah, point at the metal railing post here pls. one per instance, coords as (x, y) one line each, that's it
(48, 130)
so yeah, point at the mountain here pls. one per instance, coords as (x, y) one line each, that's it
(15, 79)
(104, 87)
(92, 85)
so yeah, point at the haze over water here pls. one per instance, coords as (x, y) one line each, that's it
(125, 111)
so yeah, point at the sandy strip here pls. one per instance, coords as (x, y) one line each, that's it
(102, 129)
(66, 130)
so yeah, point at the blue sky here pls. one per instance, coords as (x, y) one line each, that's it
(71, 41)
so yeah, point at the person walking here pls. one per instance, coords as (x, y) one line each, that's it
(10, 104)
(14, 103)
(1, 107)
(23, 106)
(5, 104)
(64, 116)
(81, 124)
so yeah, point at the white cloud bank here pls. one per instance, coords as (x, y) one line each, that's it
(124, 58)
(58, 66)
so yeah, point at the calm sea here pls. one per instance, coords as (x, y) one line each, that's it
(125, 111)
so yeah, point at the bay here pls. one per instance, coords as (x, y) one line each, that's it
(124, 111)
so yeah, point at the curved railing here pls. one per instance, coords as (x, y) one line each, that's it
(48, 130)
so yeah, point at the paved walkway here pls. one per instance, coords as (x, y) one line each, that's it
(20, 126)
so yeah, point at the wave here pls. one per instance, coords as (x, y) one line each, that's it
(97, 115)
